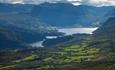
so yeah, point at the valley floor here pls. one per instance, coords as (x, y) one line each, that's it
(74, 56)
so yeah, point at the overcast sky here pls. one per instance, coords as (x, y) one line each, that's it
(75, 2)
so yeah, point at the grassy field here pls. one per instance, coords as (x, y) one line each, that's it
(54, 58)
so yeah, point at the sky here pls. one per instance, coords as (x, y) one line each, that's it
(74, 2)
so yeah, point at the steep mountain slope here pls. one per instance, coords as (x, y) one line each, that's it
(60, 14)
(25, 25)
(65, 14)
(104, 37)
(78, 55)
(111, 13)
(27, 29)
(108, 15)
(9, 40)
(106, 31)
(23, 21)
(15, 8)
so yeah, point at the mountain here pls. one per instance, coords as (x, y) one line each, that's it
(111, 13)
(15, 8)
(60, 14)
(104, 37)
(21, 25)
(9, 40)
(108, 15)
(26, 29)
(66, 14)
(25, 25)
(31, 23)
(106, 31)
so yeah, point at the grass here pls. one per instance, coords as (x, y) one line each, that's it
(69, 60)
(81, 58)
(100, 67)
(81, 50)
(72, 48)
(0, 66)
(42, 68)
(58, 52)
(63, 56)
(29, 58)
(7, 67)
(74, 53)
(49, 59)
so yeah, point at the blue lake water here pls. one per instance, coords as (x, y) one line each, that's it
(70, 31)
(67, 31)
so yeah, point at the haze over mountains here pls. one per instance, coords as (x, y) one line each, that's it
(59, 14)
(65, 14)
(74, 2)
(31, 23)
(23, 24)
(105, 31)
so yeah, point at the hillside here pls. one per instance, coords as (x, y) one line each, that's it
(27, 29)
(81, 52)
(104, 37)
(106, 31)
(60, 14)
(25, 24)
(9, 40)
(111, 13)
(69, 14)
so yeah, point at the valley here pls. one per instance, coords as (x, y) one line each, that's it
(57, 36)
(67, 32)
(49, 58)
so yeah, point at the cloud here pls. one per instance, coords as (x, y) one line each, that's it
(31, 1)
(17, 1)
(99, 2)
(94, 2)
(75, 2)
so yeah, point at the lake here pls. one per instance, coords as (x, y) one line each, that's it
(70, 31)
(67, 31)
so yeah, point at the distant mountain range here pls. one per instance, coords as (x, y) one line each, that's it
(8, 39)
(17, 26)
(60, 14)
(27, 23)
(106, 31)
(64, 14)
(104, 37)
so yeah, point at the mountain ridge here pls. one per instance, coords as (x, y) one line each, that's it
(68, 14)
